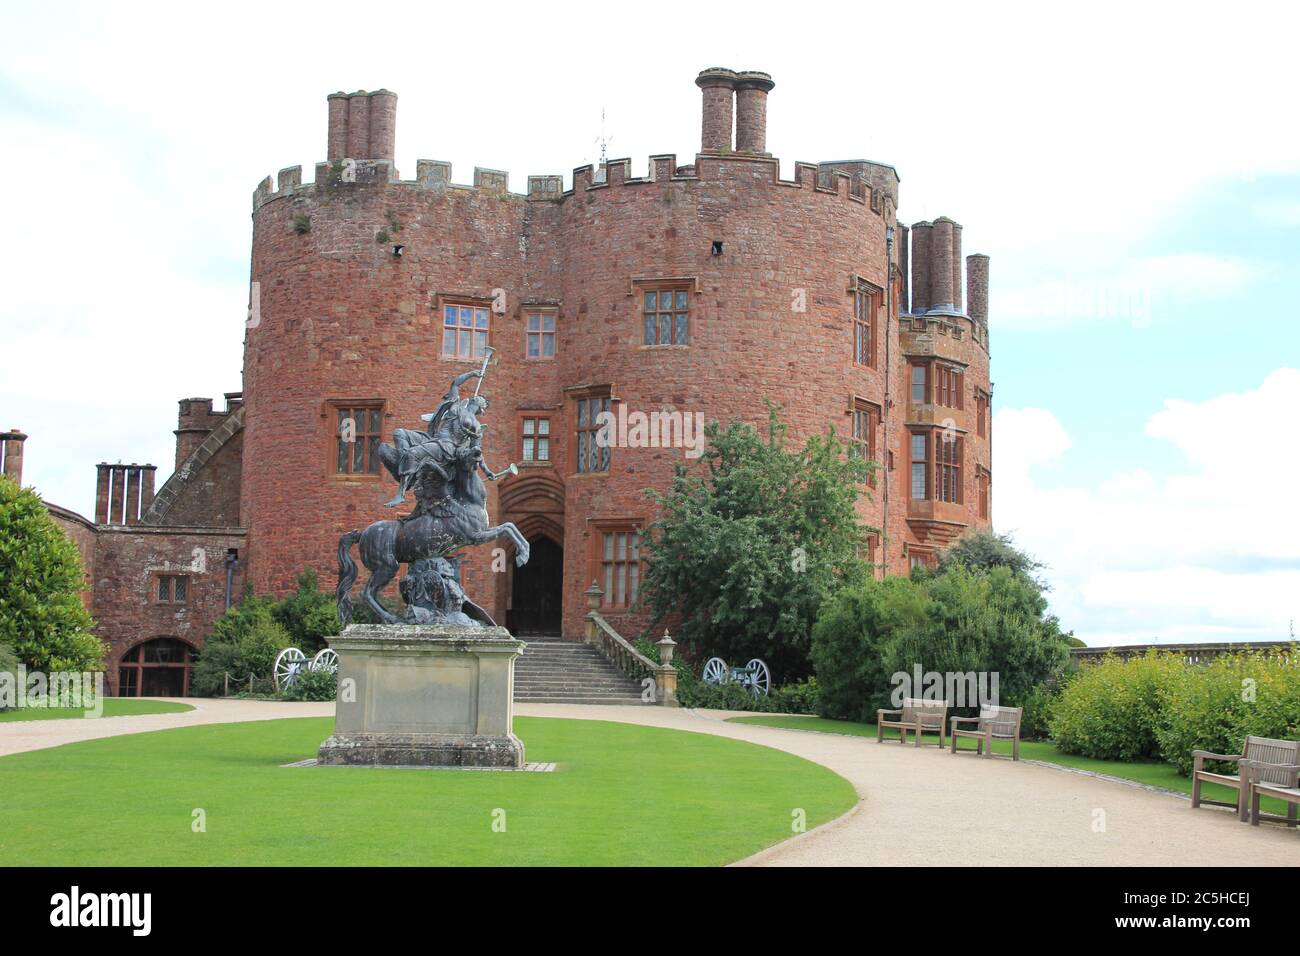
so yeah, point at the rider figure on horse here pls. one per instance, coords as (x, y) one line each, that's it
(453, 426)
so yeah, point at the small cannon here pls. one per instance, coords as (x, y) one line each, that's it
(754, 676)
(291, 661)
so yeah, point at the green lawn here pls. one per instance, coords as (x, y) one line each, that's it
(1151, 773)
(113, 707)
(621, 795)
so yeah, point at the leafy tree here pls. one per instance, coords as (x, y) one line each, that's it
(957, 621)
(308, 615)
(849, 639)
(244, 641)
(994, 622)
(984, 550)
(747, 554)
(8, 665)
(41, 611)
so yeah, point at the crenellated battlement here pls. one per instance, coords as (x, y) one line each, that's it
(362, 129)
(835, 179)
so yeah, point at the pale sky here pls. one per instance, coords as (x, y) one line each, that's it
(1133, 170)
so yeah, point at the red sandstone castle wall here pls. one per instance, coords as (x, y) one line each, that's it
(341, 318)
(127, 563)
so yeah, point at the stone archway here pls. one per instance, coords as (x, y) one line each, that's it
(159, 667)
(537, 591)
(534, 594)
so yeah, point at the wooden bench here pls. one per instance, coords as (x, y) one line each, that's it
(1263, 788)
(993, 723)
(916, 715)
(1271, 762)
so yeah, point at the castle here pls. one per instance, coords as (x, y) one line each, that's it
(699, 288)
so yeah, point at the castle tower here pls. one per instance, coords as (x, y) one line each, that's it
(701, 288)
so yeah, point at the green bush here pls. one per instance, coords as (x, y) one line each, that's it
(245, 641)
(956, 621)
(790, 699)
(308, 614)
(983, 551)
(1111, 710)
(1035, 723)
(799, 698)
(847, 640)
(1216, 705)
(8, 665)
(42, 616)
(318, 684)
(795, 698)
(1159, 706)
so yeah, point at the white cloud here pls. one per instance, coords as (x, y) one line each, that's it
(136, 135)
(1285, 212)
(1210, 552)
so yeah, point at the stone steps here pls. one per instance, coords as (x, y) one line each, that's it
(553, 671)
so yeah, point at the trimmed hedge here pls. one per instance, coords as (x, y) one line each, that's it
(1214, 706)
(1158, 707)
(1110, 710)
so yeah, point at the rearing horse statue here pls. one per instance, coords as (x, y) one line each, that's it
(451, 516)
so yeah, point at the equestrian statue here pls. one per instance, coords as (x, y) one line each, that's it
(443, 467)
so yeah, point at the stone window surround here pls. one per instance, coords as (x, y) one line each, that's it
(330, 409)
(640, 285)
(860, 289)
(600, 528)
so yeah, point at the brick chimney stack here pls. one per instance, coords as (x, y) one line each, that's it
(956, 267)
(117, 495)
(752, 87)
(12, 444)
(337, 144)
(383, 125)
(146, 487)
(718, 86)
(921, 235)
(977, 287)
(102, 492)
(941, 269)
(904, 263)
(123, 493)
(362, 126)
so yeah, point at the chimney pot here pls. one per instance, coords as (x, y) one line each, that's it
(12, 451)
(977, 287)
(752, 87)
(718, 86)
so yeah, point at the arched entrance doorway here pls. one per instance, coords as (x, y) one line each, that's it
(537, 590)
(157, 668)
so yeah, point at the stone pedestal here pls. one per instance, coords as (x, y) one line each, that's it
(425, 696)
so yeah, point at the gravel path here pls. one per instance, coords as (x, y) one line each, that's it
(916, 806)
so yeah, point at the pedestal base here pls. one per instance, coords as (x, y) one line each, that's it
(422, 750)
(424, 696)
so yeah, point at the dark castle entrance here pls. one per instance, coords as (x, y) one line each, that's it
(538, 587)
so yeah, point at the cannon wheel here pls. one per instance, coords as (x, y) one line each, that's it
(761, 682)
(326, 660)
(286, 667)
(715, 671)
